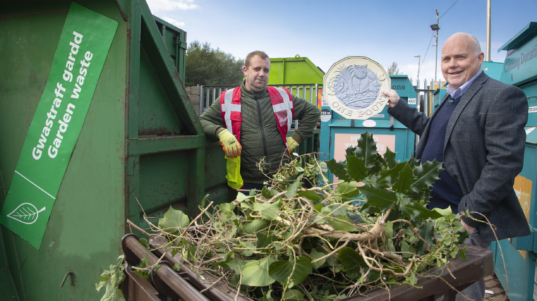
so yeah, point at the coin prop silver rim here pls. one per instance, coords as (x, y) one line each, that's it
(376, 106)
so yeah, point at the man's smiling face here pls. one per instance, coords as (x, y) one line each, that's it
(461, 59)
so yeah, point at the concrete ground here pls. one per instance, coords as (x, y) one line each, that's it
(493, 284)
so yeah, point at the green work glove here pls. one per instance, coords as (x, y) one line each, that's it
(291, 144)
(230, 145)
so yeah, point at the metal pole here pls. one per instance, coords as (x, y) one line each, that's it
(214, 95)
(419, 61)
(487, 53)
(316, 92)
(436, 58)
(207, 99)
(426, 108)
(201, 100)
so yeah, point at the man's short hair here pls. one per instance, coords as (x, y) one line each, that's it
(252, 54)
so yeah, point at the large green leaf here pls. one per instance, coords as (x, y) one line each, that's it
(242, 197)
(407, 249)
(413, 162)
(426, 231)
(378, 163)
(237, 265)
(426, 174)
(268, 211)
(110, 280)
(387, 177)
(389, 158)
(248, 249)
(256, 272)
(281, 270)
(293, 295)
(367, 149)
(255, 225)
(291, 190)
(263, 240)
(389, 236)
(415, 211)
(444, 212)
(310, 195)
(405, 179)
(352, 261)
(422, 195)
(315, 255)
(356, 168)
(173, 220)
(381, 198)
(338, 169)
(341, 222)
(226, 206)
(266, 193)
(347, 189)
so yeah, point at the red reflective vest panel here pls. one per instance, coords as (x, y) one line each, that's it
(282, 104)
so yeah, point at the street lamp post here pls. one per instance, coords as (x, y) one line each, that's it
(419, 60)
(487, 53)
(435, 27)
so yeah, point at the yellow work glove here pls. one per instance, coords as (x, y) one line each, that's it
(234, 178)
(291, 144)
(230, 145)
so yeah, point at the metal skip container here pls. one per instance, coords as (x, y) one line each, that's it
(140, 146)
(520, 69)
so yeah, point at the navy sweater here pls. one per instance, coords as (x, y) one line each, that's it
(445, 191)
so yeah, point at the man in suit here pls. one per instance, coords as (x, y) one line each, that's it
(478, 134)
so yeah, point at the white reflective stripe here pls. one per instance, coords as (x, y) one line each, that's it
(279, 107)
(228, 107)
(288, 105)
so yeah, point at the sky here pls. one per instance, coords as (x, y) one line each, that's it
(326, 31)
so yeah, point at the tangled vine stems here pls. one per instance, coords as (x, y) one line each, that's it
(311, 241)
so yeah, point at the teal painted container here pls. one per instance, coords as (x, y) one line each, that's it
(519, 253)
(438, 95)
(339, 133)
(493, 69)
(520, 69)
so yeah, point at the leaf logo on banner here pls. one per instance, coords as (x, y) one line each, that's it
(26, 213)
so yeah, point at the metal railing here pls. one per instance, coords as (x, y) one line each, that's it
(208, 94)
(310, 92)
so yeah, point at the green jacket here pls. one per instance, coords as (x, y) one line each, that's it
(260, 137)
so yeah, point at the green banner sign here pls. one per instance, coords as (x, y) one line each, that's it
(84, 44)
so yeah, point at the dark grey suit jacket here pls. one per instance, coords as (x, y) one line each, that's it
(483, 152)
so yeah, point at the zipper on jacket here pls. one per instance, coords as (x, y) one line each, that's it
(261, 125)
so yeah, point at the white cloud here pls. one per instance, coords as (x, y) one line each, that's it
(169, 5)
(174, 22)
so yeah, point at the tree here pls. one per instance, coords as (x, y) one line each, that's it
(393, 69)
(208, 66)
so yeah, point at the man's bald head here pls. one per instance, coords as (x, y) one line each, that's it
(472, 41)
(461, 59)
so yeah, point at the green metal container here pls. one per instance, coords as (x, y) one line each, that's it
(294, 71)
(141, 145)
(299, 75)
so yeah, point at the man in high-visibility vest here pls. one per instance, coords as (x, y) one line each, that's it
(252, 121)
